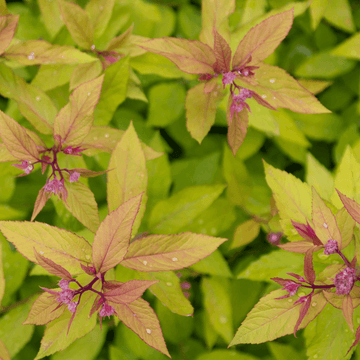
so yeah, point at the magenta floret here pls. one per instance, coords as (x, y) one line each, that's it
(345, 280)
(106, 310)
(331, 247)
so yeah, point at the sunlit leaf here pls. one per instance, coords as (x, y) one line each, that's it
(99, 12)
(8, 24)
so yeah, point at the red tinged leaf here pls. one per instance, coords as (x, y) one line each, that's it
(142, 320)
(263, 39)
(308, 265)
(16, 139)
(52, 267)
(44, 310)
(112, 239)
(357, 338)
(128, 292)
(8, 24)
(96, 306)
(169, 252)
(303, 311)
(306, 232)
(190, 56)
(200, 110)
(40, 202)
(352, 207)
(262, 101)
(237, 127)
(297, 246)
(348, 311)
(89, 173)
(74, 121)
(324, 220)
(222, 53)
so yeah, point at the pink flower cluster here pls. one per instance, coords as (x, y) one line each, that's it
(238, 101)
(26, 166)
(106, 310)
(54, 186)
(331, 247)
(66, 295)
(345, 280)
(72, 150)
(228, 78)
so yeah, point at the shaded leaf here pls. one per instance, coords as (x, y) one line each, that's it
(8, 24)
(2, 278)
(84, 73)
(51, 16)
(317, 11)
(111, 240)
(4, 354)
(40, 202)
(245, 233)
(99, 12)
(141, 318)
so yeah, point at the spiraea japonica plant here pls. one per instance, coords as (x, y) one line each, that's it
(242, 72)
(320, 277)
(87, 283)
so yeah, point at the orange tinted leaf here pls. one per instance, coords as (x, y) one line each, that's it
(43, 310)
(128, 292)
(222, 53)
(4, 354)
(169, 252)
(325, 225)
(17, 141)
(200, 111)
(61, 246)
(297, 246)
(237, 127)
(112, 238)
(120, 41)
(190, 56)
(348, 310)
(141, 318)
(40, 202)
(346, 226)
(5, 154)
(89, 173)
(351, 206)
(52, 267)
(280, 89)
(8, 24)
(75, 119)
(81, 203)
(263, 39)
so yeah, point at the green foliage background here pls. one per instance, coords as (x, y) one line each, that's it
(223, 191)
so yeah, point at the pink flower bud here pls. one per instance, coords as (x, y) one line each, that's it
(72, 306)
(74, 176)
(185, 285)
(205, 77)
(344, 281)
(71, 150)
(55, 186)
(106, 310)
(228, 78)
(64, 284)
(65, 296)
(26, 166)
(274, 238)
(331, 247)
(291, 287)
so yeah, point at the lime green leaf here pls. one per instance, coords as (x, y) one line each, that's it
(292, 196)
(319, 177)
(128, 174)
(214, 264)
(52, 267)
(166, 103)
(8, 24)
(78, 23)
(325, 225)
(17, 141)
(81, 203)
(285, 351)
(99, 12)
(4, 354)
(189, 21)
(346, 226)
(347, 178)
(324, 66)
(238, 125)
(74, 120)
(315, 86)
(45, 309)
(84, 73)
(15, 340)
(349, 48)
(51, 16)
(118, 43)
(245, 233)
(57, 337)
(168, 291)
(113, 91)
(5, 154)
(215, 14)
(51, 76)
(169, 252)
(33, 103)
(282, 90)
(335, 345)
(226, 355)
(275, 264)
(317, 11)
(60, 246)
(172, 214)
(263, 39)
(36, 52)
(112, 238)
(338, 13)
(272, 318)
(200, 111)
(80, 349)
(193, 57)
(218, 306)
(2, 278)
(141, 318)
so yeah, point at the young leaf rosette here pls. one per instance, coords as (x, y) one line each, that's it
(243, 72)
(83, 269)
(304, 296)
